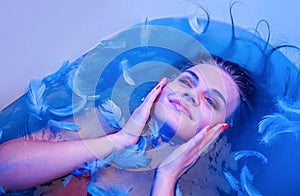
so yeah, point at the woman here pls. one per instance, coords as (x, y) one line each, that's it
(193, 107)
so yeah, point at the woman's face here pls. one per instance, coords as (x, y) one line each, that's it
(202, 95)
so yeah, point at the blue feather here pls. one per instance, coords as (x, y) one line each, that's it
(90, 167)
(1, 132)
(67, 180)
(93, 166)
(270, 120)
(53, 78)
(114, 191)
(62, 125)
(287, 106)
(247, 153)
(112, 113)
(69, 110)
(140, 146)
(70, 77)
(93, 190)
(276, 124)
(232, 181)
(246, 182)
(36, 99)
(130, 158)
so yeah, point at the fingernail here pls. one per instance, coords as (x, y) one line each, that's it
(158, 86)
(162, 79)
(208, 128)
(224, 127)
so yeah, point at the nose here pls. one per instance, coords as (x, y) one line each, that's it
(191, 99)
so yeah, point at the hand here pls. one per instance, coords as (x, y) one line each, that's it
(132, 130)
(183, 157)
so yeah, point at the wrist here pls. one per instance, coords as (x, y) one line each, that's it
(122, 140)
(165, 177)
(163, 184)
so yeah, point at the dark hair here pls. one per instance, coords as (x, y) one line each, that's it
(240, 76)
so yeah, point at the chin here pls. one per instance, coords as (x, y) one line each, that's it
(169, 117)
(178, 123)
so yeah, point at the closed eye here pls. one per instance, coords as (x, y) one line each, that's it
(211, 102)
(186, 82)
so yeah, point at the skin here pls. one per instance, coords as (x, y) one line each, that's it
(203, 95)
(44, 161)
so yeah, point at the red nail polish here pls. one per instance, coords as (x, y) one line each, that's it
(161, 79)
(208, 128)
(158, 86)
(224, 127)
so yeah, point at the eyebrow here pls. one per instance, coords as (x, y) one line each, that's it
(194, 77)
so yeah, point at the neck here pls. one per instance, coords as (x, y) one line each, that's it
(161, 130)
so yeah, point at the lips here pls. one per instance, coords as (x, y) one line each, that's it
(180, 106)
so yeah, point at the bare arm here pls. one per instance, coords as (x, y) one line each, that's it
(26, 163)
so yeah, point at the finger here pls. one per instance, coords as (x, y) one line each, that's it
(217, 130)
(138, 119)
(194, 143)
(149, 100)
(141, 114)
(200, 135)
(211, 137)
(188, 149)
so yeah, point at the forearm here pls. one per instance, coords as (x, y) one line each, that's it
(24, 164)
(163, 185)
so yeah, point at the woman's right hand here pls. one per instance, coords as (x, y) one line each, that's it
(132, 130)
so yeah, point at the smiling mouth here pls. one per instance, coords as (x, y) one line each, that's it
(181, 108)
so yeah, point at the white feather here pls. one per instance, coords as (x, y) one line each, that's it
(232, 181)
(36, 92)
(288, 106)
(247, 153)
(269, 121)
(195, 26)
(273, 125)
(113, 44)
(36, 99)
(70, 109)
(126, 75)
(145, 34)
(112, 113)
(246, 182)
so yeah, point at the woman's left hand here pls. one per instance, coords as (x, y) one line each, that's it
(183, 157)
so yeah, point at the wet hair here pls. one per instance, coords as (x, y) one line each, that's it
(240, 76)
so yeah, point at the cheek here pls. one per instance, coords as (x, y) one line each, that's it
(209, 117)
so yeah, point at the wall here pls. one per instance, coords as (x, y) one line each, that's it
(37, 36)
